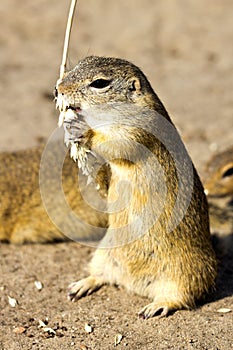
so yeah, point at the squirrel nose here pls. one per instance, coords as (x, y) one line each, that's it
(55, 92)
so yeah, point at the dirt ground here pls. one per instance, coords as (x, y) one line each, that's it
(185, 49)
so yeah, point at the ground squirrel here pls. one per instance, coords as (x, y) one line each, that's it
(219, 174)
(218, 184)
(158, 241)
(23, 218)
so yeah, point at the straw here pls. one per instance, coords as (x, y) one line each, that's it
(67, 38)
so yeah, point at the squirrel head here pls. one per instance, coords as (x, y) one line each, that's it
(105, 80)
(219, 178)
(114, 98)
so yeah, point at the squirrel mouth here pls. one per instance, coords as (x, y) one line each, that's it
(69, 114)
(75, 109)
(67, 111)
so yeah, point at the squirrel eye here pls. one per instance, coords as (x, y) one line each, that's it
(100, 83)
(228, 172)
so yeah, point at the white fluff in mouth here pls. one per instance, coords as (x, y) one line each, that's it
(78, 152)
(63, 106)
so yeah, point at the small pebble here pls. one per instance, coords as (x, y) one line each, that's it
(49, 330)
(13, 302)
(224, 310)
(118, 339)
(41, 324)
(88, 328)
(83, 347)
(19, 330)
(38, 285)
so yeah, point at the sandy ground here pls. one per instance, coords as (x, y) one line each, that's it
(185, 49)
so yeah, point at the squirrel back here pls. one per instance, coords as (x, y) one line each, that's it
(23, 217)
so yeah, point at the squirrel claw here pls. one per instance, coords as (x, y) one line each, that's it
(152, 310)
(79, 289)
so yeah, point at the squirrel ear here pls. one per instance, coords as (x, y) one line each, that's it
(135, 85)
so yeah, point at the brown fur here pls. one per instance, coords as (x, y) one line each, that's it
(23, 218)
(176, 268)
(218, 186)
(219, 174)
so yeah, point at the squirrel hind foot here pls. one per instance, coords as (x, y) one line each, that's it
(154, 309)
(163, 307)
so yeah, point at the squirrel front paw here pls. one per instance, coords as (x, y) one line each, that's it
(86, 286)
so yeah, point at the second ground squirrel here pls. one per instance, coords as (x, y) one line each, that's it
(218, 185)
(23, 218)
(129, 127)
